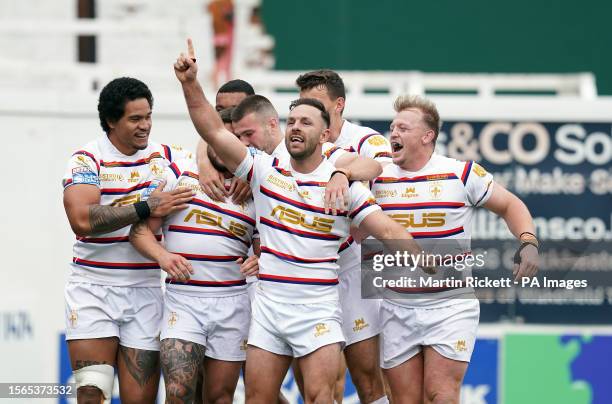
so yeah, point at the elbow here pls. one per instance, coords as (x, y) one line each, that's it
(80, 228)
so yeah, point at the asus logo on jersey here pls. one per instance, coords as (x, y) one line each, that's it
(210, 219)
(126, 200)
(291, 216)
(408, 220)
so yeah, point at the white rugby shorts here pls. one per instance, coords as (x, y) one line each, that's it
(449, 329)
(129, 313)
(220, 324)
(294, 329)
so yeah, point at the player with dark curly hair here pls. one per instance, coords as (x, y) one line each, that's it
(113, 296)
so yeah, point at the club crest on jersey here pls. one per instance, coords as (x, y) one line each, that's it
(360, 324)
(321, 329)
(479, 170)
(377, 140)
(156, 169)
(435, 190)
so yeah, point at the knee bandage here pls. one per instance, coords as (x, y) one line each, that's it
(100, 376)
(382, 400)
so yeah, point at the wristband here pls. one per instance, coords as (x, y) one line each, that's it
(527, 232)
(142, 209)
(517, 254)
(343, 172)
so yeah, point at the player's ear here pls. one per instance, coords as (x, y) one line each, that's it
(324, 136)
(273, 122)
(428, 137)
(339, 104)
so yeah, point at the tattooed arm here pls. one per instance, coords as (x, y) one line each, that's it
(181, 362)
(87, 216)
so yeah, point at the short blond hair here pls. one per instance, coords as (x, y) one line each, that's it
(431, 117)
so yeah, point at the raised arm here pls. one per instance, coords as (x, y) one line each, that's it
(204, 116)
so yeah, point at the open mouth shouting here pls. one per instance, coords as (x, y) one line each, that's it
(296, 139)
(396, 146)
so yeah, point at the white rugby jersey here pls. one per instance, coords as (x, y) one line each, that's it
(109, 258)
(212, 236)
(299, 242)
(435, 203)
(350, 252)
(364, 141)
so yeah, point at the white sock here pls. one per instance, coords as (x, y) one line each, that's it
(382, 400)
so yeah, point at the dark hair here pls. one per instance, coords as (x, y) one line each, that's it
(253, 103)
(313, 103)
(226, 114)
(114, 96)
(328, 78)
(236, 86)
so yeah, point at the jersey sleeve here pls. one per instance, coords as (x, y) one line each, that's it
(176, 169)
(332, 152)
(82, 168)
(252, 167)
(478, 183)
(175, 153)
(375, 146)
(362, 203)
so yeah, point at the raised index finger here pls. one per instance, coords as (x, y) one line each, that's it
(190, 50)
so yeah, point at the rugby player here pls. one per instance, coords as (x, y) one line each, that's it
(256, 123)
(428, 337)
(360, 317)
(206, 304)
(228, 96)
(296, 310)
(113, 296)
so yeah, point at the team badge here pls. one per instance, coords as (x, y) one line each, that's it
(377, 140)
(172, 319)
(73, 318)
(435, 190)
(478, 170)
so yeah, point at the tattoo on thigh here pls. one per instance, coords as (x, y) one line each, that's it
(181, 364)
(141, 364)
(81, 364)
